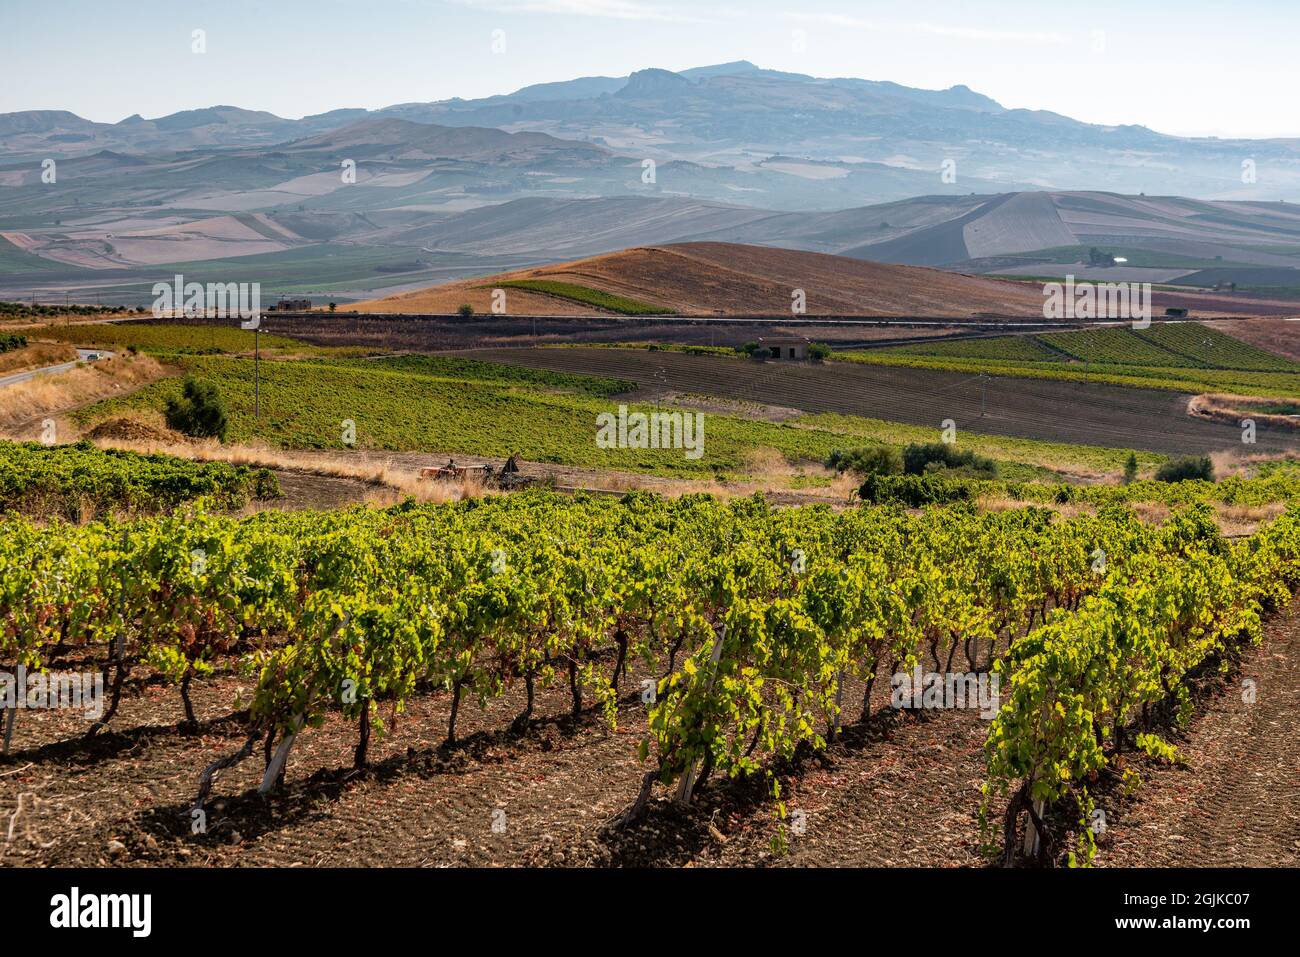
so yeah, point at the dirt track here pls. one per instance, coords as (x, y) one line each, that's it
(1236, 803)
(1077, 413)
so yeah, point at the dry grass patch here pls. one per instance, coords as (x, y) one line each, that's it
(389, 483)
(1246, 519)
(37, 355)
(1233, 409)
(1228, 464)
(26, 403)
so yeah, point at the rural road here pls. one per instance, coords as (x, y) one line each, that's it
(82, 356)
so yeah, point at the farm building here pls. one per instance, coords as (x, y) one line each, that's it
(291, 305)
(786, 347)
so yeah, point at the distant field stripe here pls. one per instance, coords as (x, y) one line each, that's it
(1013, 348)
(584, 295)
(1116, 347)
(1214, 349)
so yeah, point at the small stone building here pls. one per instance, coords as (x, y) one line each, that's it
(789, 348)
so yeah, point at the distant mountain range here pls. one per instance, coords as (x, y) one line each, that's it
(353, 202)
(746, 119)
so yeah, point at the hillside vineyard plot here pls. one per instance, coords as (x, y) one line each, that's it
(1074, 412)
(1173, 345)
(755, 619)
(75, 480)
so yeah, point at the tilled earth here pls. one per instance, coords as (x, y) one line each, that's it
(1054, 411)
(896, 790)
(1235, 802)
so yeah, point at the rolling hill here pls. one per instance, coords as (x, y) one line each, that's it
(726, 279)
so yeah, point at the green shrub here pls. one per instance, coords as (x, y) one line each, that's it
(465, 310)
(915, 491)
(870, 460)
(1186, 469)
(266, 485)
(199, 412)
(819, 352)
(929, 457)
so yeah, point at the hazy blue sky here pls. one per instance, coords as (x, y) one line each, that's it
(1192, 67)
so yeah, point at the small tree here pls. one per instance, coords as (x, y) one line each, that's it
(333, 306)
(199, 412)
(819, 352)
(465, 310)
(1131, 469)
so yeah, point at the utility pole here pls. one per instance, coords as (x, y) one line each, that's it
(984, 387)
(257, 373)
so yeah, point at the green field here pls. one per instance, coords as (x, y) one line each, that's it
(72, 481)
(995, 348)
(1214, 349)
(14, 260)
(1121, 347)
(453, 405)
(166, 338)
(1185, 357)
(586, 296)
(319, 269)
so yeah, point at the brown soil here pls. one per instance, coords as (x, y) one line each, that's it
(729, 279)
(302, 490)
(132, 430)
(558, 784)
(430, 332)
(896, 790)
(1235, 801)
(1053, 411)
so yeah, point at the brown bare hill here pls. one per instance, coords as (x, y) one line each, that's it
(729, 279)
(1280, 336)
